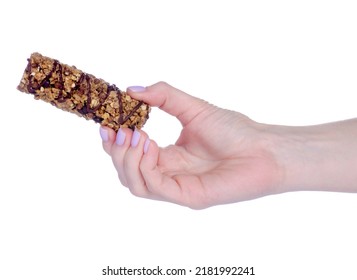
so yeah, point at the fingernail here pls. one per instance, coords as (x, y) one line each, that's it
(137, 88)
(135, 138)
(104, 134)
(146, 145)
(120, 137)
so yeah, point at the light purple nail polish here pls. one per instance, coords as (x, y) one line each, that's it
(135, 138)
(146, 145)
(104, 134)
(120, 137)
(137, 88)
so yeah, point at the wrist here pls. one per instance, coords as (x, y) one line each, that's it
(320, 157)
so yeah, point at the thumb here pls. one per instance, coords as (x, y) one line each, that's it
(171, 100)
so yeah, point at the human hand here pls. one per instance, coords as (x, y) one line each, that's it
(220, 157)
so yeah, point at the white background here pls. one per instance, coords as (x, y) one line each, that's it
(63, 212)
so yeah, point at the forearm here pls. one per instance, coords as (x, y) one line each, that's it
(320, 157)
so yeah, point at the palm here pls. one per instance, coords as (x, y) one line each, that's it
(211, 169)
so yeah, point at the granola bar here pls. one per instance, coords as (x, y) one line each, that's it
(72, 90)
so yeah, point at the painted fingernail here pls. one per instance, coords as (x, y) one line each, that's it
(137, 88)
(146, 145)
(135, 138)
(120, 137)
(104, 134)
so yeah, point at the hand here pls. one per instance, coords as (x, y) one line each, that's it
(220, 157)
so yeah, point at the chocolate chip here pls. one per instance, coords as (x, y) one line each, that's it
(113, 88)
(97, 119)
(46, 84)
(30, 89)
(83, 110)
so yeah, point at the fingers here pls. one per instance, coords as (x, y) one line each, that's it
(118, 152)
(130, 163)
(136, 158)
(173, 101)
(126, 149)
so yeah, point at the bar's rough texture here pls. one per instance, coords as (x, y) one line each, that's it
(72, 90)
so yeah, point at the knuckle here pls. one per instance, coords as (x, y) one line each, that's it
(138, 192)
(162, 84)
(197, 206)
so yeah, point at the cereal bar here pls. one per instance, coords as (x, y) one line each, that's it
(72, 90)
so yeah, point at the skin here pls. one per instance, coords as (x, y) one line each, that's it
(224, 157)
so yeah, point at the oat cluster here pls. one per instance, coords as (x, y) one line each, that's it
(75, 91)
